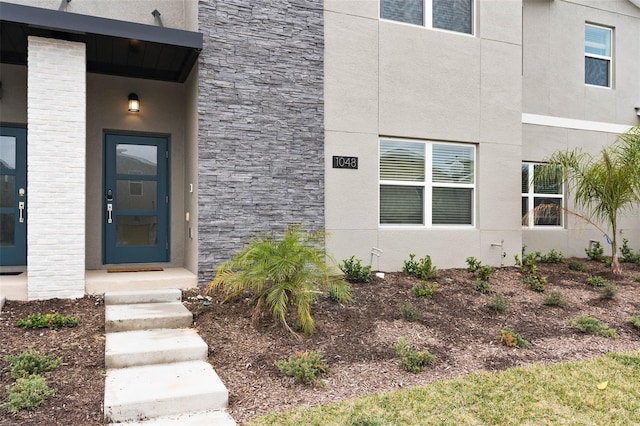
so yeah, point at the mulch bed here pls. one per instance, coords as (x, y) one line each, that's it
(455, 324)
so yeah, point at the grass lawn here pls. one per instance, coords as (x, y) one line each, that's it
(564, 393)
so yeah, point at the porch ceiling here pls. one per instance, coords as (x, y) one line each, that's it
(113, 47)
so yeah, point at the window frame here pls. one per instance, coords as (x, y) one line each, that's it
(609, 58)
(531, 198)
(427, 17)
(428, 184)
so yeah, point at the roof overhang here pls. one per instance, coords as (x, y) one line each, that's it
(113, 47)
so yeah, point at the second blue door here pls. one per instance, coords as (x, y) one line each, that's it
(136, 199)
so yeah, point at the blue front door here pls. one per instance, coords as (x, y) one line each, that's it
(136, 199)
(13, 196)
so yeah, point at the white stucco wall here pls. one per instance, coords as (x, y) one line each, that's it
(396, 80)
(56, 168)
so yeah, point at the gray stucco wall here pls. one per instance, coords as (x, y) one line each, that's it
(260, 109)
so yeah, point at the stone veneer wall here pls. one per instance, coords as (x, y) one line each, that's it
(261, 132)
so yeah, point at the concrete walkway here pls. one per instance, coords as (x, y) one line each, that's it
(157, 369)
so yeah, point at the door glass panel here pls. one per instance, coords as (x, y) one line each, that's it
(136, 231)
(7, 191)
(7, 153)
(136, 159)
(7, 229)
(136, 194)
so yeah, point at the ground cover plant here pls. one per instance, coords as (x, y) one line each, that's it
(51, 320)
(510, 338)
(305, 367)
(591, 325)
(412, 360)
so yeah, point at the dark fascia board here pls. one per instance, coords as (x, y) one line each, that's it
(85, 24)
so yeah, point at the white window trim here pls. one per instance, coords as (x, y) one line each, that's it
(428, 19)
(428, 185)
(531, 196)
(607, 58)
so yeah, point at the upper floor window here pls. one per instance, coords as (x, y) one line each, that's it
(542, 201)
(597, 55)
(451, 15)
(426, 183)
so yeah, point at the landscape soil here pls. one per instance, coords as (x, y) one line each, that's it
(455, 324)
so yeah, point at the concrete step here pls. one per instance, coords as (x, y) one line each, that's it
(208, 418)
(144, 347)
(146, 316)
(150, 391)
(99, 282)
(142, 296)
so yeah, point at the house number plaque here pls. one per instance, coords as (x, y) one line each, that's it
(340, 162)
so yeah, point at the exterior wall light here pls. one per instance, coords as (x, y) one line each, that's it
(134, 103)
(637, 107)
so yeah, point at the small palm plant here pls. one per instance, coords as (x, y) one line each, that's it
(291, 272)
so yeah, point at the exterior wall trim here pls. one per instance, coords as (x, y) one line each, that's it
(570, 123)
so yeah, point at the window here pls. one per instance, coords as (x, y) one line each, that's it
(597, 55)
(542, 202)
(426, 183)
(451, 15)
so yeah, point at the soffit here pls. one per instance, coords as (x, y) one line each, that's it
(113, 47)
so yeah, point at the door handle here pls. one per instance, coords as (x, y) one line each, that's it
(109, 213)
(21, 211)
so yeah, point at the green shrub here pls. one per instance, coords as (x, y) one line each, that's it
(498, 303)
(536, 282)
(609, 291)
(409, 312)
(354, 272)
(532, 278)
(591, 325)
(482, 286)
(30, 362)
(290, 272)
(628, 255)
(27, 393)
(510, 338)
(422, 269)
(306, 367)
(411, 360)
(635, 319)
(52, 321)
(595, 252)
(554, 298)
(473, 264)
(484, 273)
(597, 281)
(552, 257)
(424, 289)
(577, 266)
